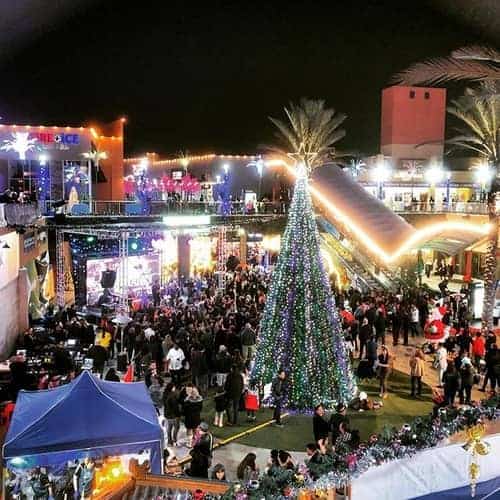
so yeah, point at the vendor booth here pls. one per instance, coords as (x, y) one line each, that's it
(80, 435)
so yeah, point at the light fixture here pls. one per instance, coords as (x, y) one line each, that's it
(434, 174)
(43, 160)
(381, 172)
(226, 167)
(484, 173)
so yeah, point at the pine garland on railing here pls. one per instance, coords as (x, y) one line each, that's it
(339, 469)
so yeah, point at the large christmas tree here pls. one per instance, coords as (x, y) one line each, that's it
(300, 329)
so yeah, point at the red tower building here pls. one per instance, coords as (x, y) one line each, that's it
(413, 120)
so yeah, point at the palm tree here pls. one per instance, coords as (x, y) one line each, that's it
(473, 63)
(310, 132)
(479, 113)
(478, 110)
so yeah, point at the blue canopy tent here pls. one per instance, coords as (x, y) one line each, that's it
(88, 417)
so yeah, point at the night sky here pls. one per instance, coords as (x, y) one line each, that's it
(204, 78)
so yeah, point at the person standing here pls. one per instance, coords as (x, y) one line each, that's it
(371, 352)
(417, 371)
(234, 390)
(248, 341)
(467, 378)
(478, 349)
(223, 363)
(199, 368)
(278, 393)
(175, 358)
(441, 362)
(320, 426)
(380, 325)
(172, 413)
(155, 292)
(451, 383)
(193, 405)
(414, 320)
(365, 333)
(384, 369)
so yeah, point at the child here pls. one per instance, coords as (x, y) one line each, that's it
(251, 403)
(220, 406)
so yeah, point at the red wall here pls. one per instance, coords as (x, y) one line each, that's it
(415, 120)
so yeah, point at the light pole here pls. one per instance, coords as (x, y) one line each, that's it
(484, 175)
(381, 173)
(434, 175)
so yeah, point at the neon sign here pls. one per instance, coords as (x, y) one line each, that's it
(48, 138)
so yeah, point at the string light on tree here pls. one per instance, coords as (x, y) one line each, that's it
(300, 327)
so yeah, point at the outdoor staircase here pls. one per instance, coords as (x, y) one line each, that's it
(359, 268)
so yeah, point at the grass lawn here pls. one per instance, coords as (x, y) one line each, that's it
(399, 408)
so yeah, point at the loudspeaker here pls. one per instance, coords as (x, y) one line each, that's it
(108, 279)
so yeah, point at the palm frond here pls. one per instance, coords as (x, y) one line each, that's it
(310, 131)
(446, 69)
(479, 116)
(477, 53)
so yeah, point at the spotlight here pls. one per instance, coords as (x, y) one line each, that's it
(90, 239)
(134, 245)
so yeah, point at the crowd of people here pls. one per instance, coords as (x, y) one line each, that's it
(193, 346)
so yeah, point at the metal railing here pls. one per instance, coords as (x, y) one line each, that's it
(131, 208)
(464, 207)
(18, 214)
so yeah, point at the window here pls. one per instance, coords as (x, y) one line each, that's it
(412, 94)
(427, 95)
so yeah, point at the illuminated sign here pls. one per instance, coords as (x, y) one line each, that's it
(23, 143)
(49, 138)
(186, 220)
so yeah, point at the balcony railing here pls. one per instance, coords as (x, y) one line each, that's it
(131, 208)
(18, 214)
(463, 207)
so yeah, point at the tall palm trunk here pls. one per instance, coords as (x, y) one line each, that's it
(490, 265)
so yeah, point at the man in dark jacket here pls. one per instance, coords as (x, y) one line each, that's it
(371, 350)
(199, 369)
(172, 413)
(365, 332)
(380, 326)
(278, 394)
(223, 363)
(234, 390)
(320, 426)
(248, 341)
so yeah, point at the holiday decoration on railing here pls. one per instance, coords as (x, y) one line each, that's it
(477, 447)
(338, 470)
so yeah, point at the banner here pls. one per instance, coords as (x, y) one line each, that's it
(69, 285)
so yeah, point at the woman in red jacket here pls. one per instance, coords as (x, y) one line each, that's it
(478, 349)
